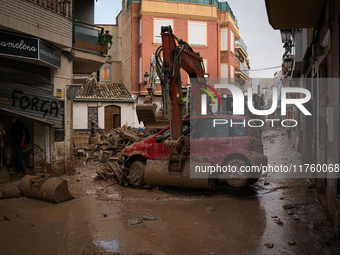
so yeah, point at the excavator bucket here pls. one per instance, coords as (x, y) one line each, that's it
(146, 113)
(156, 173)
(50, 189)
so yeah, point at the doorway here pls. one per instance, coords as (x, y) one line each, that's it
(112, 117)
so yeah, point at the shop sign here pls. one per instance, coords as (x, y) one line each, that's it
(31, 48)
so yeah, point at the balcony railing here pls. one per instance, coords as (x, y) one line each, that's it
(242, 44)
(243, 69)
(86, 37)
(222, 6)
(62, 7)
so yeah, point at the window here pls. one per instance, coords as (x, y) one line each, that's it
(198, 33)
(157, 25)
(224, 71)
(186, 131)
(92, 115)
(201, 129)
(232, 74)
(140, 70)
(205, 62)
(224, 39)
(232, 42)
(105, 72)
(140, 31)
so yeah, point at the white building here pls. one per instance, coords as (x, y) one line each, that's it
(108, 105)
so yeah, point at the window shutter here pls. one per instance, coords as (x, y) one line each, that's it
(140, 70)
(140, 31)
(224, 39)
(232, 42)
(224, 71)
(157, 29)
(197, 33)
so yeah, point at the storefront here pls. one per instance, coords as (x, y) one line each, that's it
(26, 94)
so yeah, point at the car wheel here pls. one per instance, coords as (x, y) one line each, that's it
(136, 173)
(236, 179)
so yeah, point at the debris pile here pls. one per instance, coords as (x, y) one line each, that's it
(117, 139)
(107, 152)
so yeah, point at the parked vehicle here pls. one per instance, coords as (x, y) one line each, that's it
(221, 145)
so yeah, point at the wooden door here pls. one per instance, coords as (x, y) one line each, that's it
(112, 117)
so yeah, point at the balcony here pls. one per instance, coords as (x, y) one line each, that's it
(49, 20)
(241, 50)
(242, 71)
(61, 7)
(241, 44)
(89, 54)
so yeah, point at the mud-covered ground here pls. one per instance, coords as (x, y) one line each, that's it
(274, 216)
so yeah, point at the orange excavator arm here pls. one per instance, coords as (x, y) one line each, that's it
(177, 54)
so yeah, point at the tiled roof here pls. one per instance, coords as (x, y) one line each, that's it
(92, 90)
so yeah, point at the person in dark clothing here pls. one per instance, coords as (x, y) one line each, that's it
(18, 139)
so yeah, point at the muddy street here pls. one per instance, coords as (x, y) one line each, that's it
(274, 216)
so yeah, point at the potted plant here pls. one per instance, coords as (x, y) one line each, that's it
(106, 39)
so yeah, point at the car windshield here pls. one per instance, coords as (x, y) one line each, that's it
(186, 131)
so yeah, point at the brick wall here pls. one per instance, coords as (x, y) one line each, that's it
(126, 46)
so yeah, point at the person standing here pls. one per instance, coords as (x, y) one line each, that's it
(18, 139)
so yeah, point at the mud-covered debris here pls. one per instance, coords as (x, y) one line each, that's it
(143, 253)
(5, 218)
(210, 209)
(110, 147)
(148, 217)
(10, 190)
(279, 222)
(291, 242)
(45, 188)
(311, 186)
(135, 221)
(269, 245)
(288, 206)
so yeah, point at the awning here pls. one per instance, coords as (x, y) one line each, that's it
(290, 14)
(28, 102)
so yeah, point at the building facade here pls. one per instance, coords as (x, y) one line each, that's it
(315, 28)
(104, 99)
(209, 27)
(42, 50)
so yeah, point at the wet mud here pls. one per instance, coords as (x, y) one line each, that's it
(274, 216)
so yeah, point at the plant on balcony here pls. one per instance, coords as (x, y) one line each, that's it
(106, 39)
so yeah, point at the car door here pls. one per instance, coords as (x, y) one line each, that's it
(160, 150)
(209, 143)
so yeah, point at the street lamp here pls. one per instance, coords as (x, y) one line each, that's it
(286, 35)
(288, 62)
(146, 78)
